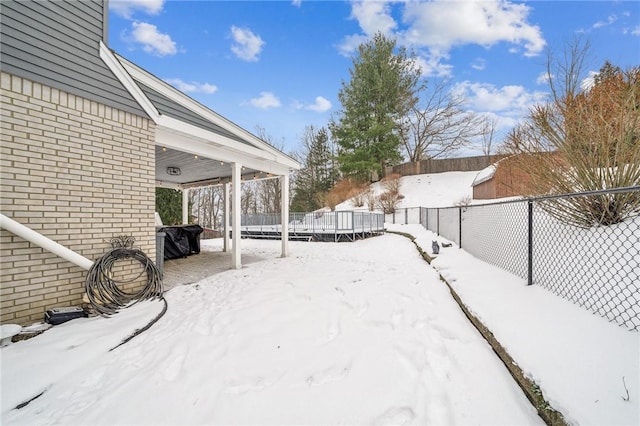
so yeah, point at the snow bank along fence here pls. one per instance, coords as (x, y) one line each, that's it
(597, 267)
(317, 226)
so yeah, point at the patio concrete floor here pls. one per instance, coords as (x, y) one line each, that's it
(196, 267)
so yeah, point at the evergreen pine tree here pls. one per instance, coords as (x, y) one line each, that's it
(318, 174)
(383, 88)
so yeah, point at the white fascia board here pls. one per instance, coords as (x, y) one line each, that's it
(162, 184)
(208, 148)
(172, 124)
(129, 84)
(180, 126)
(184, 100)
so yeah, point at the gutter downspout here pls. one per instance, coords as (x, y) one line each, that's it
(49, 245)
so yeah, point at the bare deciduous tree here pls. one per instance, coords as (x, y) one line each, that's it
(438, 125)
(207, 203)
(268, 191)
(248, 199)
(487, 134)
(585, 138)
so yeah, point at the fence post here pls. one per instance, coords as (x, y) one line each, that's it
(460, 227)
(530, 243)
(353, 225)
(406, 216)
(438, 221)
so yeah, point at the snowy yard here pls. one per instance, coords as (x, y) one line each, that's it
(349, 333)
(587, 368)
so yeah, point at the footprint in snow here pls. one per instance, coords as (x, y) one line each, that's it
(172, 366)
(331, 374)
(359, 308)
(333, 329)
(247, 384)
(397, 318)
(395, 416)
(415, 358)
(203, 325)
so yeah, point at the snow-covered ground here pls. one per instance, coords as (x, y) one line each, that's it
(347, 333)
(430, 190)
(588, 368)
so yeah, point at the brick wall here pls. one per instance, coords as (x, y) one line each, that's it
(77, 172)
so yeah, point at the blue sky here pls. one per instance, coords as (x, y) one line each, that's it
(279, 65)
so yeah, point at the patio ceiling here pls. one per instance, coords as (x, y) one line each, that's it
(181, 169)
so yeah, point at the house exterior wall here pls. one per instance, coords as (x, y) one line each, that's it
(56, 43)
(77, 171)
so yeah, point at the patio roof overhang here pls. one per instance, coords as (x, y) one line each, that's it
(189, 160)
(195, 147)
(192, 138)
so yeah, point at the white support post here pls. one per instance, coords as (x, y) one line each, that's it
(185, 206)
(227, 205)
(236, 182)
(284, 197)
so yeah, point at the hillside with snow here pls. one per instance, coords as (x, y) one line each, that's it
(429, 190)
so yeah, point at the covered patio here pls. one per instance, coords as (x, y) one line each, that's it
(192, 269)
(196, 147)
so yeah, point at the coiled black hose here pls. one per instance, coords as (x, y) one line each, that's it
(105, 293)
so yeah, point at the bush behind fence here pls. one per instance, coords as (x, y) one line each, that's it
(597, 268)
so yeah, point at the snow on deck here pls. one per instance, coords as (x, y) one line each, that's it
(362, 333)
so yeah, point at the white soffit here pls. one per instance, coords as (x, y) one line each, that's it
(180, 98)
(208, 147)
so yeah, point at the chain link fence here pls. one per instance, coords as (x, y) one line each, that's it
(596, 267)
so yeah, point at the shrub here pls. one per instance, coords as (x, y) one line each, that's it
(342, 191)
(391, 183)
(387, 202)
(363, 196)
(390, 197)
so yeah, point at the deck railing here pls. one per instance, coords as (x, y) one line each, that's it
(336, 225)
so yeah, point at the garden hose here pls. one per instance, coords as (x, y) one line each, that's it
(105, 294)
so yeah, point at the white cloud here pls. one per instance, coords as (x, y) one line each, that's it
(373, 16)
(193, 87)
(350, 44)
(433, 66)
(296, 3)
(479, 64)
(543, 78)
(610, 20)
(152, 40)
(126, 8)
(636, 31)
(440, 25)
(320, 105)
(445, 24)
(588, 82)
(512, 101)
(265, 101)
(246, 45)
